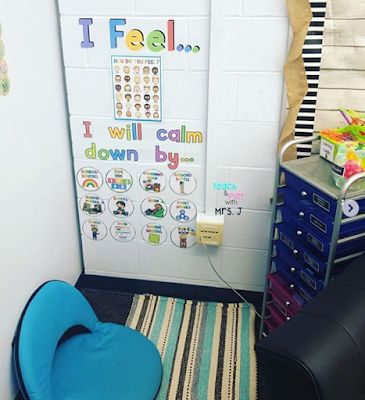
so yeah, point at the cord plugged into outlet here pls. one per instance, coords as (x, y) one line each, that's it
(209, 229)
(209, 232)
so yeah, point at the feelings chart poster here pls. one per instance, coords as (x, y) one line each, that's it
(137, 91)
(137, 88)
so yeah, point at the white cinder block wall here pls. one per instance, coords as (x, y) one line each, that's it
(185, 94)
(248, 51)
(244, 64)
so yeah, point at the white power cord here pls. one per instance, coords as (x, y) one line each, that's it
(225, 282)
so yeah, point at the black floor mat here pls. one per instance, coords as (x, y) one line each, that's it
(109, 306)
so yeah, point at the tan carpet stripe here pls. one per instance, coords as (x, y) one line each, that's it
(180, 352)
(192, 353)
(166, 325)
(202, 331)
(221, 351)
(153, 316)
(228, 357)
(237, 338)
(252, 355)
(238, 365)
(148, 316)
(215, 348)
(184, 364)
(217, 376)
(143, 313)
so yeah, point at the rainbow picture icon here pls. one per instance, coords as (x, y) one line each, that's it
(89, 178)
(90, 183)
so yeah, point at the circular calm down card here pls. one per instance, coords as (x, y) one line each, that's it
(94, 229)
(121, 206)
(154, 234)
(183, 210)
(89, 178)
(182, 182)
(153, 208)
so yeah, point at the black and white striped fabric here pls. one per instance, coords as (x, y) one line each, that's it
(312, 55)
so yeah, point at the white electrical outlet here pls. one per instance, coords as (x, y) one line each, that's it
(209, 229)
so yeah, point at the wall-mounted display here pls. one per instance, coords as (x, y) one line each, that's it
(94, 229)
(119, 180)
(137, 88)
(183, 236)
(121, 206)
(183, 210)
(137, 91)
(92, 204)
(153, 208)
(89, 178)
(154, 234)
(152, 181)
(183, 182)
(122, 231)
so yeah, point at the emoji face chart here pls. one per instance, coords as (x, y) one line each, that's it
(134, 79)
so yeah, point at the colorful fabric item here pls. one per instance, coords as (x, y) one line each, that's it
(207, 349)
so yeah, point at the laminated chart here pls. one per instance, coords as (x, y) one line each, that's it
(137, 88)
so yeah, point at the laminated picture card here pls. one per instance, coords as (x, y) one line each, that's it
(4, 80)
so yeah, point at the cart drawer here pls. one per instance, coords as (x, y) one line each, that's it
(304, 211)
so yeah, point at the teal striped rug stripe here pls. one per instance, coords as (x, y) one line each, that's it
(207, 349)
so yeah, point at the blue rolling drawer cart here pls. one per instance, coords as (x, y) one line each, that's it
(313, 234)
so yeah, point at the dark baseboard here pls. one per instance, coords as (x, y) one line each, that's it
(194, 292)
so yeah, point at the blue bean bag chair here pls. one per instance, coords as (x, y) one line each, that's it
(63, 352)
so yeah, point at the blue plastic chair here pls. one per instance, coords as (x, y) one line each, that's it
(93, 361)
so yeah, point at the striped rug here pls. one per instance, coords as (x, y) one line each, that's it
(207, 349)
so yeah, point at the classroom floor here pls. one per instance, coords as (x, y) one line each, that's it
(111, 306)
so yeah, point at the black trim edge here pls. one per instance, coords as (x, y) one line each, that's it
(168, 289)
